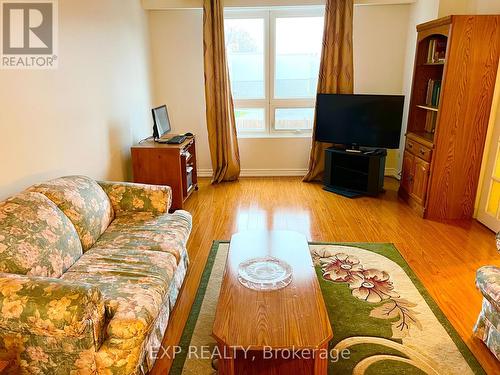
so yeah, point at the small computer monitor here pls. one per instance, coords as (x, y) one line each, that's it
(161, 123)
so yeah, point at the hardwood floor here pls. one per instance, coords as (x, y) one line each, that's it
(444, 256)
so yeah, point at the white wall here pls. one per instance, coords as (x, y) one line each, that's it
(380, 34)
(447, 7)
(82, 117)
(487, 6)
(177, 71)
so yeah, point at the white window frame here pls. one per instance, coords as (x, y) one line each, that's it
(269, 102)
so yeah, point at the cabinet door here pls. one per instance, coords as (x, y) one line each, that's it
(407, 172)
(420, 179)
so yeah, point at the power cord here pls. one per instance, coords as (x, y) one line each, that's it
(146, 139)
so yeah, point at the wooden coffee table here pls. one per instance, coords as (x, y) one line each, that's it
(285, 331)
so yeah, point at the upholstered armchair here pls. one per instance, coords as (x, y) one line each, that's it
(488, 324)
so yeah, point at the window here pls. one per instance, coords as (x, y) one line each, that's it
(273, 58)
(245, 50)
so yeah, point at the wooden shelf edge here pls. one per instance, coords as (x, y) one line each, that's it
(434, 23)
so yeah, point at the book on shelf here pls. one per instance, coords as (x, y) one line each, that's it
(436, 53)
(433, 92)
(430, 121)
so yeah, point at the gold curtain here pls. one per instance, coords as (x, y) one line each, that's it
(336, 72)
(219, 101)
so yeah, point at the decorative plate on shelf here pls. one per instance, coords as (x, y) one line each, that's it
(266, 273)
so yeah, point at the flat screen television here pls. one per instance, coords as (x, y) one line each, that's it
(161, 123)
(359, 120)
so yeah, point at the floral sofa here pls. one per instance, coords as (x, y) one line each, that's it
(89, 272)
(488, 324)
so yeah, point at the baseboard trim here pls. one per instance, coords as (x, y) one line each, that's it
(261, 172)
(391, 172)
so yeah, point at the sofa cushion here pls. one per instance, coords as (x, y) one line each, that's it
(36, 238)
(134, 285)
(146, 231)
(127, 197)
(488, 282)
(84, 202)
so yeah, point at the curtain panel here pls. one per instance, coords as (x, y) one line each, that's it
(336, 71)
(221, 124)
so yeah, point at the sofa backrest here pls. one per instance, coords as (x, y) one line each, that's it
(84, 202)
(36, 238)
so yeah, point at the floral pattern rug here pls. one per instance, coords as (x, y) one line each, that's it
(379, 311)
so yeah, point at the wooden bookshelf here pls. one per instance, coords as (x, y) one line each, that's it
(426, 70)
(447, 126)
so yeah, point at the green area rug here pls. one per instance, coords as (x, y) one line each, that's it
(383, 319)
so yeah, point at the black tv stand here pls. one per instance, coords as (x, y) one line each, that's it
(354, 173)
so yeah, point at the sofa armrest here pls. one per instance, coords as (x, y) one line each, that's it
(49, 307)
(488, 283)
(131, 197)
